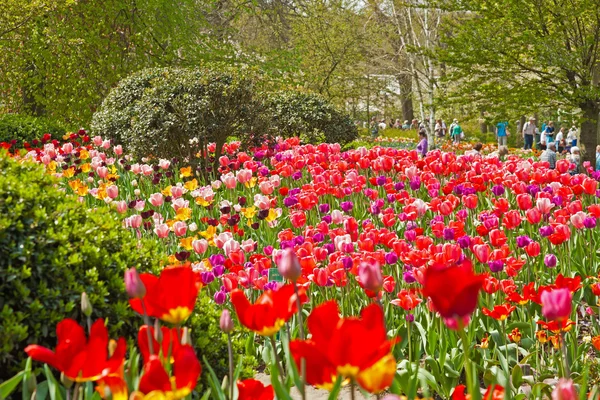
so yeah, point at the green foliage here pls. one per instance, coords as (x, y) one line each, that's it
(211, 343)
(24, 128)
(309, 116)
(175, 112)
(54, 249)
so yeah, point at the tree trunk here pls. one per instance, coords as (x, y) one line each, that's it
(405, 82)
(482, 124)
(589, 131)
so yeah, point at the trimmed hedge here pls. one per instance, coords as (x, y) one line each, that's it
(25, 128)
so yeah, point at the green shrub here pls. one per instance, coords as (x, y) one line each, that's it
(25, 128)
(53, 249)
(175, 112)
(309, 116)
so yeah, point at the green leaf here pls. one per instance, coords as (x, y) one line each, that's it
(41, 392)
(517, 376)
(6, 388)
(214, 381)
(280, 391)
(335, 391)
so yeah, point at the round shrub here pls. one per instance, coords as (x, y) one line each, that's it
(25, 128)
(53, 249)
(309, 116)
(176, 112)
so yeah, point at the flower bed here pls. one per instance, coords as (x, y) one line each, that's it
(464, 270)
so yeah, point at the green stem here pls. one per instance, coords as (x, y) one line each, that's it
(147, 322)
(230, 351)
(472, 387)
(409, 341)
(352, 386)
(565, 357)
(302, 387)
(277, 361)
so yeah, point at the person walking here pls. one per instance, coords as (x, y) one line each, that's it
(548, 132)
(529, 129)
(560, 140)
(457, 132)
(572, 137)
(422, 146)
(502, 133)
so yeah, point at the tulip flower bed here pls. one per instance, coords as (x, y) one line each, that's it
(449, 276)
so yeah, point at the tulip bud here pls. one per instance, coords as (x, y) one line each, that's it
(86, 306)
(226, 323)
(133, 284)
(564, 390)
(158, 336)
(550, 260)
(289, 265)
(370, 276)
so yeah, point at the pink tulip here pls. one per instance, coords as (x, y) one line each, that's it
(97, 141)
(482, 252)
(106, 144)
(266, 187)
(112, 191)
(565, 390)
(200, 246)
(121, 206)
(156, 199)
(577, 219)
(164, 164)
(337, 217)
(67, 148)
(224, 161)
(176, 191)
(140, 205)
(544, 204)
(248, 245)
(289, 265)
(229, 180)
(226, 323)
(244, 175)
(231, 246)
(136, 169)
(135, 221)
(180, 203)
(133, 284)
(557, 304)
(147, 170)
(118, 149)
(262, 202)
(180, 228)
(162, 230)
(102, 172)
(223, 238)
(369, 275)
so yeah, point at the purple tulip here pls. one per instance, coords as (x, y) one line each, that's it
(546, 231)
(216, 259)
(271, 286)
(409, 277)
(448, 234)
(290, 201)
(550, 260)
(297, 175)
(380, 180)
(326, 218)
(391, 258)
(318, 237)
(220, 297)
(324, 208)
(523, 241)
(347, 263)
(347, 206)
(464, 241)
(589, 222)
(218, 270)
(498, 190)
(410, 235)
(415, 183)
(410, 318)
(329, 247)
(496, 265)
(399, 185)
(390, 198)
(207, 277)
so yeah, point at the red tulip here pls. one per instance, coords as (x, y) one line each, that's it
(270, 311)
(78, 358)
(327, 352)
(169, 344)
(251, 389)
(186, 370)
(453, 290)
(170, 297)
(500, 312)
(524, 201)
